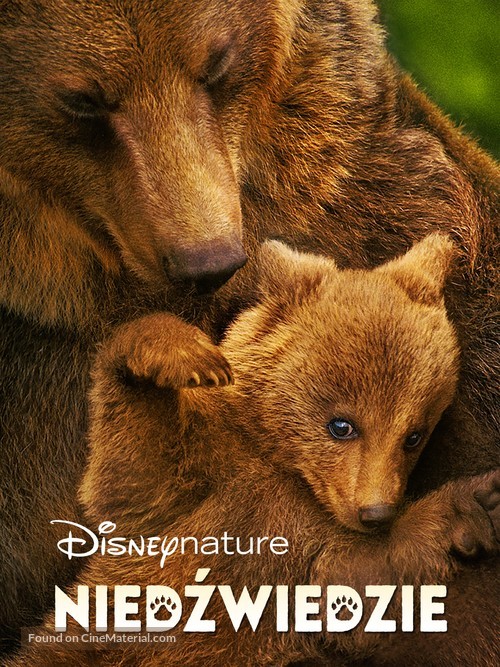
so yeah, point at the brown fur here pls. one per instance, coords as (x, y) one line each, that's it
(304, 124)
(374, 346)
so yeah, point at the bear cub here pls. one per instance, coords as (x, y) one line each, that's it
(341, 378)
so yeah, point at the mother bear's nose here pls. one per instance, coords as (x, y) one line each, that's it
(377, 516)
(206, 267)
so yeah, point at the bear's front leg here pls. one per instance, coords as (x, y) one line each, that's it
(141, 408)
(461, 519)
(162, 350)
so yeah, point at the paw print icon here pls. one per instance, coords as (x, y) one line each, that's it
(344, 608)
(163, 608)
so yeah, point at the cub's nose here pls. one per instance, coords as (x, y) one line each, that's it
(205, 268)
(377, 516)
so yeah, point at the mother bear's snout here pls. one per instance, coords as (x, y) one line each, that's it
(205, 267)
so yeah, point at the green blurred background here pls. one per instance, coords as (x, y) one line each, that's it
(452, 48)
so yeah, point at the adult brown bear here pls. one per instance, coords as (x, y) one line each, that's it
(132, 136)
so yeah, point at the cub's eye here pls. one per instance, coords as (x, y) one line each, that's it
(341, 429)
(83, 105)
(413, 440)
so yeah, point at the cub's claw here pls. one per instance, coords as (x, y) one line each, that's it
(194, 380)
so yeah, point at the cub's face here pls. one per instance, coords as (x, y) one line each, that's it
(351, 376)
(132, 117)
(357, 390)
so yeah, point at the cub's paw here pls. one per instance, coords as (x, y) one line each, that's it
(167, 352)
(476, 524)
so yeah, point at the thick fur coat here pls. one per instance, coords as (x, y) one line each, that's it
(141, 144)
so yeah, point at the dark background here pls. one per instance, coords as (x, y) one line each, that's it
(452, 49)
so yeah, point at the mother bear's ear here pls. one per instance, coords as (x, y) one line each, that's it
(287, 276)
(423, 270)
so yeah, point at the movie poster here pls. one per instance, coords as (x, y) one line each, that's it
(250, 334)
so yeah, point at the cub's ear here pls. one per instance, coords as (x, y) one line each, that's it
(289, 276)
(423, 270)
